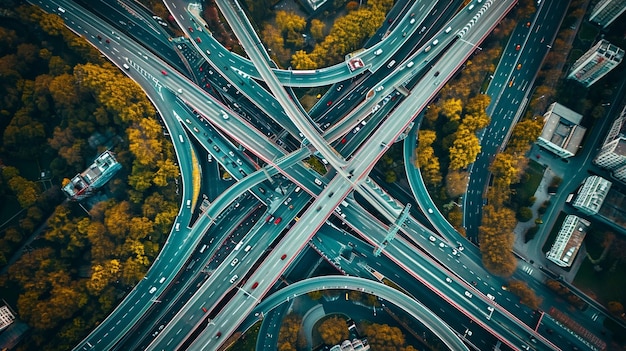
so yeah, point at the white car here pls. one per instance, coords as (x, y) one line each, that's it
(448, 280)
(432, 238)
(468, 294)
(430, 210)
(379, 88)
(491, 297)
(232, 280)
(234, 263)
(442, 245)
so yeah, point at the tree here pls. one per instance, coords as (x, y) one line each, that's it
(527, 295)
(426, 159)
(456, 182)
(333, 330)
(315, 295)
(384, 337)
(615, 307)
(464, 150)
(524, 214)
(289, 21)
(289, 330)
(496, 240)
(503, 167)
(317, 29)
(116, 219)
(451, 109)
(302, 60)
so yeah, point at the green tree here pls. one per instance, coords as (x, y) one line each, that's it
(524, 214)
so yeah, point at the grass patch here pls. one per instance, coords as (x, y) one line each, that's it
(316, 165)
(587, 32)
(247, 342)
(604, 286)
(530, 180)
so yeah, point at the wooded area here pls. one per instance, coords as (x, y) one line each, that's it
(57, 94)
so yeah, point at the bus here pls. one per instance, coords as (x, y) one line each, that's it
(203, 248)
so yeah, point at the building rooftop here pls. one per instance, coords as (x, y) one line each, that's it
(568, 241)
(561, 128)
(95, 176)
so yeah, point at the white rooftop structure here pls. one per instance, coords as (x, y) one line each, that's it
(591, 194)
(561, 132)
(596, 63)
(568, 241)
(6, 317)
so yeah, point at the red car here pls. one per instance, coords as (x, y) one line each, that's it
(191, 29)
(343, 141)
(198, 40)
(329, 103)
(163, 72)
(255, 285)
(269, 218)
(517, 47)
(204, 310)
(277, 220)
(283, 256)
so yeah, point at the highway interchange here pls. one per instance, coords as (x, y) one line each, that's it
(230, 280)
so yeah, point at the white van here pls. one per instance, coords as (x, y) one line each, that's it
(378, 52)
(247, 248)
(448, 29)
(177, 226)
(435, 42)
(188, 203)
(126, 67)
(391, 63)
(297, 189)
(62, 10)
(162, 280)
(410, 64)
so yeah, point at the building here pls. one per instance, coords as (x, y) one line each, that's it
(596, 62)
(612, 155)
(606, 11)
(561, 132)
(312, 6)
(568, 241)
(591, 194)
(99, 173)
(6, 317)
(354, 345)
